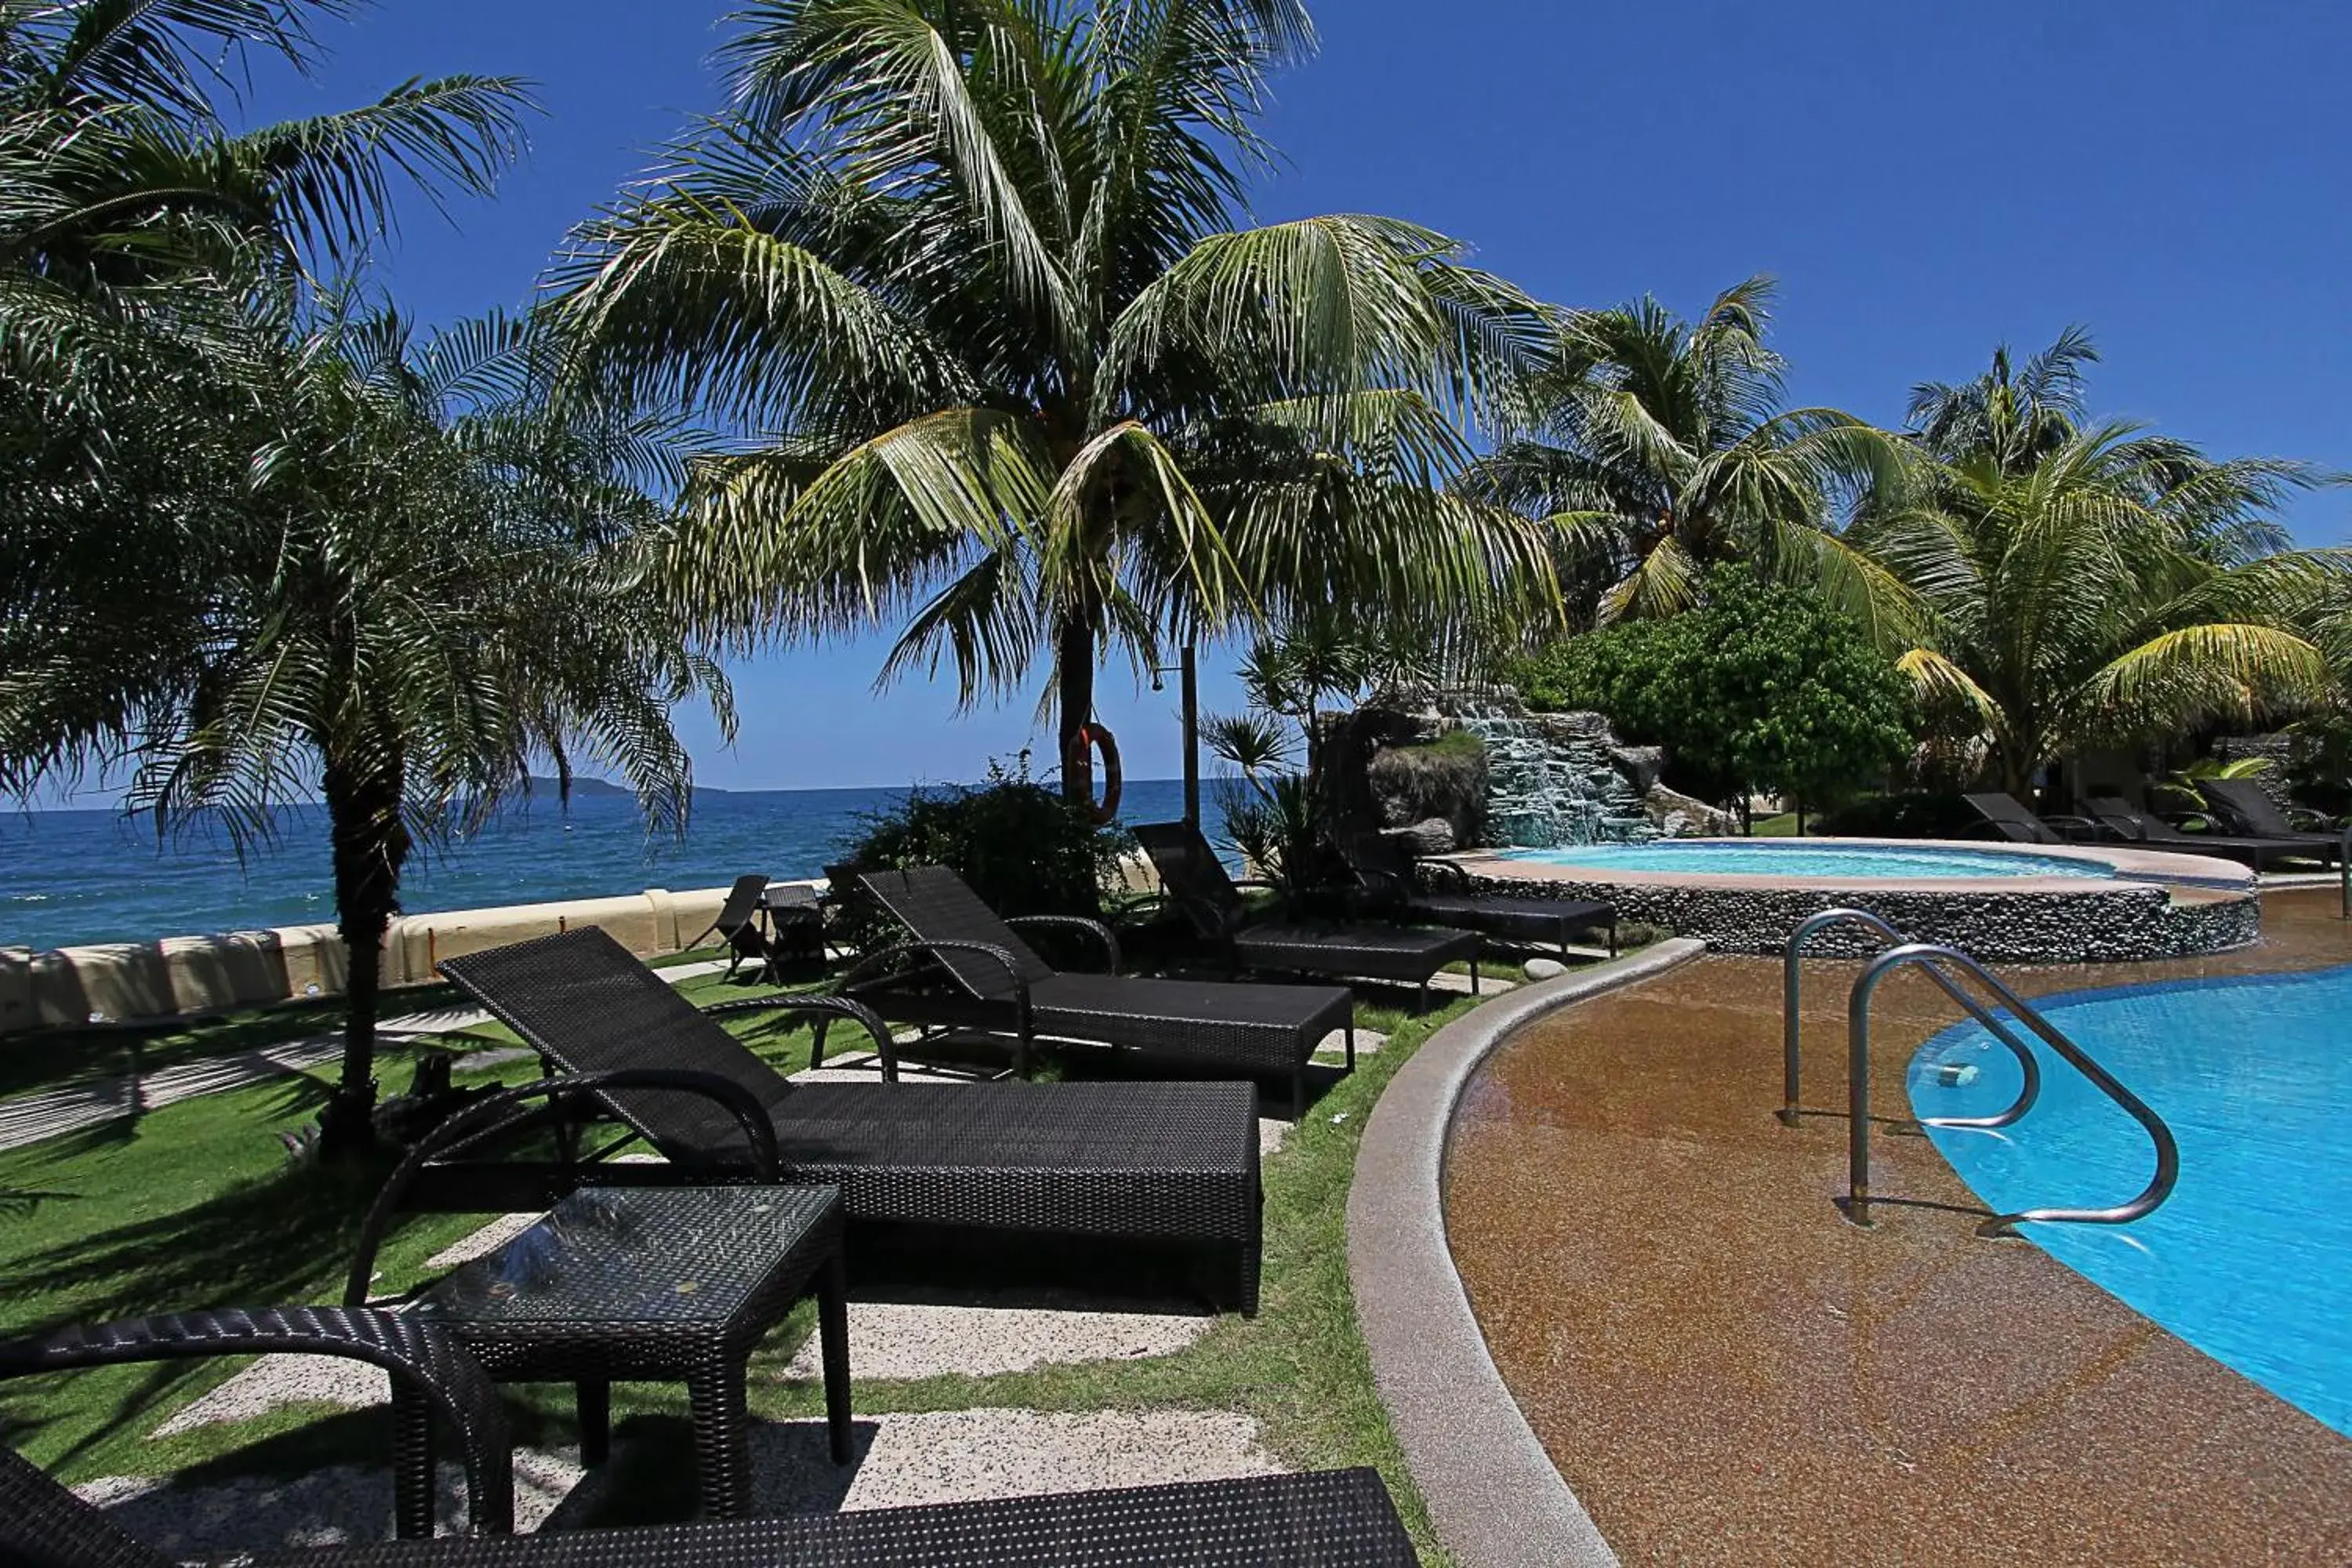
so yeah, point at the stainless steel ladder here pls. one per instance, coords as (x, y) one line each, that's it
(1937, 961)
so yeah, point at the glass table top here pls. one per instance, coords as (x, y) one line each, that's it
(675, 1256)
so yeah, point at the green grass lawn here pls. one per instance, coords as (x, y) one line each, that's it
(197, 1205)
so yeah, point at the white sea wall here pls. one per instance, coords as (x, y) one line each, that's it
(118, 982)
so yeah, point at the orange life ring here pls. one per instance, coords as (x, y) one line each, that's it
(1096, 737)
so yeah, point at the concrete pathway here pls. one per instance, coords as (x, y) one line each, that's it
(51, 1113)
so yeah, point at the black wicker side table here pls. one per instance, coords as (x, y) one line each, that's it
(646, 1284)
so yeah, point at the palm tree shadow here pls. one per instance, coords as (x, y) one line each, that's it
(283, 1238)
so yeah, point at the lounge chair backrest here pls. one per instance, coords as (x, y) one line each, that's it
(582, 1001)
(43, 1523)
(2016, 824)
(742, 901)
(1378, 860)
(2251, 804)
(936, 905)
(2114, 811)
(1193, 876)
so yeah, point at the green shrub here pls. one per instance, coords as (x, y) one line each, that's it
(1023, 848)
(1758, 687)
(1918, 813)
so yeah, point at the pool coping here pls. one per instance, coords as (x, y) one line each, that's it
(2130, 865)
(1493, 1494)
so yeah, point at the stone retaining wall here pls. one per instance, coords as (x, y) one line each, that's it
(2129, 921)
(121, 981)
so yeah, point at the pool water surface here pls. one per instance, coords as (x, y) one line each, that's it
(1802, 857)
(2251, 1259)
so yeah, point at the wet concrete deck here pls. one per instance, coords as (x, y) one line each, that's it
(1726, 1372)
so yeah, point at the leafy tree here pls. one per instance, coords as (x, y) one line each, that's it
(1760, 687)
(1023, 387)
(1658, 448)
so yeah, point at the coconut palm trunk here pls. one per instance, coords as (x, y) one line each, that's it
(1074, 659)
(370, 842)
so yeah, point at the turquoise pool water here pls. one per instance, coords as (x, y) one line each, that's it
(2251, 1260)
(1808, 857)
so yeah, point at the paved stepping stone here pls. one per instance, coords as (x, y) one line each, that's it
(895, 1339)
(967, 1455)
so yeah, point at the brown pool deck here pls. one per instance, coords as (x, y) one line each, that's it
(1726, 1372)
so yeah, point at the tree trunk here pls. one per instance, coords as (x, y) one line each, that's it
(1073, 676)
(371, 844)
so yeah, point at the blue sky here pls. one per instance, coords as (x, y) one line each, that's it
(1925, 181)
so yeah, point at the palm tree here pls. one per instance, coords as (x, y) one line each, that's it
(263, 543)
(119, 174)
(2076, 599)
(400, 576)
(1658, 448)
(968, 274)
(2015, 418)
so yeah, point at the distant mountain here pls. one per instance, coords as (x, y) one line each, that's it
(590, 789)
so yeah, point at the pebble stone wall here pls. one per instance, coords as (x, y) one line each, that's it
(2127, 922)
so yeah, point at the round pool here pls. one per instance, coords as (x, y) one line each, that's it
(2248, 1259)
(2068, 904)
(1811, 858)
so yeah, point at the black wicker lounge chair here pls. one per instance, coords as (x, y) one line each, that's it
(1200, 888)
(1390, 878)
(2257, 815)
(2007, 816)
(1162, 1163)
(2153, 832)
(1321, 1518)
(738, 926)
(981, 976)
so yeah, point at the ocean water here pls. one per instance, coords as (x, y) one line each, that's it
(69, 878)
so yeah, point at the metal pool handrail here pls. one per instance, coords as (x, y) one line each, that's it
(1792, 1026)
(1931, 957)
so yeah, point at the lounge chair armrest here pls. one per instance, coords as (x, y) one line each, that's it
(885, 1049)
(1101, 932)
(877, 961)
(1462, 879)
(2306, 819)
(416, 1351)
(2081, 829)
(2192, 821)
(848, 1008)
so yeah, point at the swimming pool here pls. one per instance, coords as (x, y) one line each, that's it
(2248, 1260)
(1811, 858)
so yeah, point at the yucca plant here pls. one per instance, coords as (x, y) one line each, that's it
(1018, 385)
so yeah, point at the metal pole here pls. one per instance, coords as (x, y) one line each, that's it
(1191, 696)
(1857, 1091)
(2344, 872)
(1792, 997)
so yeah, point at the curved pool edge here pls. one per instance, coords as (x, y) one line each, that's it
(1493, 1494)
